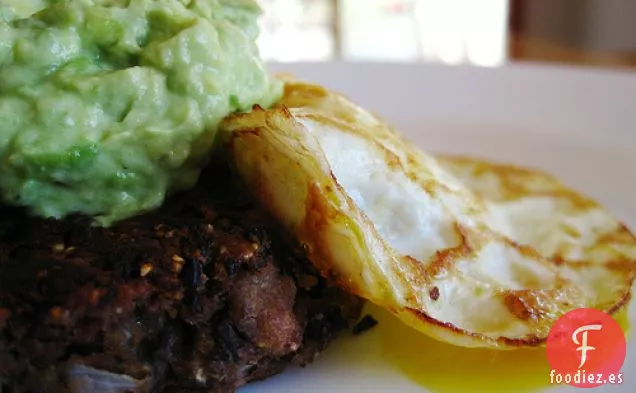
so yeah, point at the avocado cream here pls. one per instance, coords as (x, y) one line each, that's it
(108, 105)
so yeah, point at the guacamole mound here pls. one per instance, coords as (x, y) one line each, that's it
(108, 105)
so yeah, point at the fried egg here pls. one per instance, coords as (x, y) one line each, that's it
(471, 253)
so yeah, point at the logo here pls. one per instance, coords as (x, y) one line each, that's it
(586, 348)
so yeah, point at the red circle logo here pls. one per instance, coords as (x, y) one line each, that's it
(586, 348)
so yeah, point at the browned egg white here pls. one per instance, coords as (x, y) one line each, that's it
(472, 253)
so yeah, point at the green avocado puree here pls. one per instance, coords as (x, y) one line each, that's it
(106, 106)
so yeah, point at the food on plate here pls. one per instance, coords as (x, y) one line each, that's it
(175, 219)
(107, 108)
(108, 105)
(471, 253)
(201, 295)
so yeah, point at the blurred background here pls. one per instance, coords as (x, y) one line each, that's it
(485, 33)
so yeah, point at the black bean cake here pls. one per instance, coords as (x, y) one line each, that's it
(202, 295)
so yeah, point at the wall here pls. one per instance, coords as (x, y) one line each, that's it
(610, 25)
(603, 25)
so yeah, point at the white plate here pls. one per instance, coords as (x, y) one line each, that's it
(578, 124)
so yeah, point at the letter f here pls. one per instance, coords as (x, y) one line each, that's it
(583, 345)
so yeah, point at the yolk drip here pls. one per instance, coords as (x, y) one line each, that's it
(444, 368)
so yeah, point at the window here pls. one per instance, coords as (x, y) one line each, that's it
(462, 31)
(446, 31)
(296, 30)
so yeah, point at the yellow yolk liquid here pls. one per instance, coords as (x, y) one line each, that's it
(444, 368)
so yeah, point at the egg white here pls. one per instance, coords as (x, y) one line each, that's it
(472, 253)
